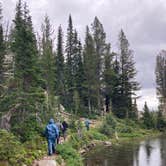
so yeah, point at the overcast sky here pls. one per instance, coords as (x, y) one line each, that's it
(143, 21)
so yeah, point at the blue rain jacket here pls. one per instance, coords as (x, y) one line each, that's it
(51, 131)
(87, 122)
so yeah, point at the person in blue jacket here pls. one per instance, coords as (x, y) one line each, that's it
(87, 124)
(51, 133)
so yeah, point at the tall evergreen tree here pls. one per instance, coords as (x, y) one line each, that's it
(161, 80)
(47, 61)
(69, 64)
(25, 50)
(60, 68)
(2, 51)
(116, 87)
(128, 85)
(90, 72)
(161, 123)
(27, 93)
(134, 111)
(99, 37)
(78, 72)
(147, 117)
(109, 77)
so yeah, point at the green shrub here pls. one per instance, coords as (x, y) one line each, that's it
(121, 128)
(11, 149)
(59, 160)
(110, 120)
(16, 153)
(108, 126)
(75, 141)
(69, 154)
(35, 149)
(130, 135)
(96, 135)
(86, 137)
(28, 129)
(72, 124)
(131, 123)
(107, 130)
(160, 121)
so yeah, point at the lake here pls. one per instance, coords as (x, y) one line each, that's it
(150, 152)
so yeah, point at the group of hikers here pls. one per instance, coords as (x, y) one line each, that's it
(53, 134)
(54, 131)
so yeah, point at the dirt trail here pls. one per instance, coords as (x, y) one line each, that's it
(46, 161)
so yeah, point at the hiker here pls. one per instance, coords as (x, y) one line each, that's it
(64, 129)
(87, 124)
(51, 133)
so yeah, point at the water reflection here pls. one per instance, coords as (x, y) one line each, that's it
(151, 152)
(163, 150)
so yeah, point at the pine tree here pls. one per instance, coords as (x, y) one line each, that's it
(128, 84)
(147, 117)
(161, 80)
(2, 51)
(47, 61)
(109, 77)
(134, 111)
(99, 37)
(78, 72)
(116, 95)
(60, 68)
(26, 97)
(161, 123)
(89, 63)
(25, 50)
(69, 64)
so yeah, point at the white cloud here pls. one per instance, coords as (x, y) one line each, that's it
(38, 4)
(149, 96)
(14, 1)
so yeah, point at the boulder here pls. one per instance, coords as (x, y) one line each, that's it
(107, 143)
(82, 151)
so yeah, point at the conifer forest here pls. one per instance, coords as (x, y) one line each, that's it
(55, 73)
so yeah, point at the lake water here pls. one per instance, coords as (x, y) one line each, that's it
(150, 152)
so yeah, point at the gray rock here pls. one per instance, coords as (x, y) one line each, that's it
(82, 151)
(107, 143)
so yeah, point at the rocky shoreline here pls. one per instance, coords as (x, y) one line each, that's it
(91, 145)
